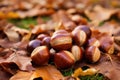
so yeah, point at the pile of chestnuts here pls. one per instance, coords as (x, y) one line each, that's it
(66, 48)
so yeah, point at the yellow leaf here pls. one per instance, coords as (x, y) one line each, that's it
(8, 15)
(80, 72)
(12, 15)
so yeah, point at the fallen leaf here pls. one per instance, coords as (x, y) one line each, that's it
(111, 27)
(8, 15)
(100, 14)
(22, 76)
(12, 35)
(17, 45)
(4, 75)
(62, 16)
(79, 72)
(44, 72)
(108, 65)
(19, 58)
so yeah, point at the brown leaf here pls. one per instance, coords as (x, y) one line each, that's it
(44, 28)
(4, 75)
(8, 44)
(62, 16)
(22, 76)
(99, 13)
(109, 65)
(21, 31)
(35, 12)
(12, 35)
(45, 72)
(19, 58)
(111, 27)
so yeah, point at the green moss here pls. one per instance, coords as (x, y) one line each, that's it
(23, 23)
(67, 72)
(26, 22)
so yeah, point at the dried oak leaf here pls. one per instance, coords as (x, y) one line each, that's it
(99, 13)
(42, 73)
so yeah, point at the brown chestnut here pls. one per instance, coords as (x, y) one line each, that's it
(40, 55)
(46, 41)
(107, 45)
(93, 42)
(92, 54)
(41, 36)
(64, 59)
(61, 40)
(77, 52)
(79, 37)
(32, 45)
(86, 29)
(52, 53)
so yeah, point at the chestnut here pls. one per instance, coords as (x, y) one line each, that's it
(41, 36)
(46, 41)
(93, 42)
(86, 29)
(64, 59)
(61, 40)
(107, 45)
(92, 54)
(77, 52)
(40, 55)
(79, 37)
(52, 53)
(32, 45)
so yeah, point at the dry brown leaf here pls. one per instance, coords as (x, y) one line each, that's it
(42, 28)
(19, 58)
(22, 61)
(100, 14)
(109, 65)
(14, 54)
(4, 75)
(21, 31)
(9, 57)
(35, 12)
(12, 35)
(45, 72)
(17, 45)
(22, 76)
(62, 16)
